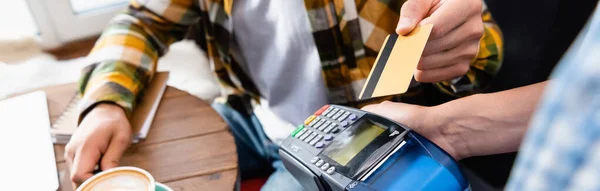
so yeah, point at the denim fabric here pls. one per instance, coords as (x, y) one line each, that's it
(256, 153)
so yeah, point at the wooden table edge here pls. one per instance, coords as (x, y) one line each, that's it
(230, 168)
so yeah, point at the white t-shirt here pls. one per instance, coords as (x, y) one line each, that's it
(279, 54)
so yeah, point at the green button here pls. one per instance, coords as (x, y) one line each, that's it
(300, 127)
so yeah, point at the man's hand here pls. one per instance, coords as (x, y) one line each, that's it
(423, 121)
(104, 134)
(454, 41)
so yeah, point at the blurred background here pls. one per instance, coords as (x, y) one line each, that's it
(44, 42)
(57, 22)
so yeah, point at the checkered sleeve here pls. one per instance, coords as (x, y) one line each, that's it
(124, 57)
(483, 67)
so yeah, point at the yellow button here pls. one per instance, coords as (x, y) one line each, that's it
(309, 119)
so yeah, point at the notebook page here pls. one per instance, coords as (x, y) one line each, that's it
(26, 145)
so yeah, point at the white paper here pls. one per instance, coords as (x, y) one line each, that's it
(27, 161)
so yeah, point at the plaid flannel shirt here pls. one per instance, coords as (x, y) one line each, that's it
(348, 35)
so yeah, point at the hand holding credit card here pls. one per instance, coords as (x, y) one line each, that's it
(396, 63)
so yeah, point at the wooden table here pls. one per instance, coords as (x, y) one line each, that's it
(189, 146)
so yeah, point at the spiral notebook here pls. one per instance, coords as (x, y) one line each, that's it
(141, 119)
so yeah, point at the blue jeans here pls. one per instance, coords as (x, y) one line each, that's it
(255, 151)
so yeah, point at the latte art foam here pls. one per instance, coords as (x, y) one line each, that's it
(120, 179)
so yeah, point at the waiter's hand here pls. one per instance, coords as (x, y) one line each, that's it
(424, 121)
(104, 134)
(454, 41)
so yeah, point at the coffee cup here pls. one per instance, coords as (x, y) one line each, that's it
(123, 178)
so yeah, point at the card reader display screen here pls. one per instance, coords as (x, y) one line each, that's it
(349, 143)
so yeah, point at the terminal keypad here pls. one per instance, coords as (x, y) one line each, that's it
(320, 128)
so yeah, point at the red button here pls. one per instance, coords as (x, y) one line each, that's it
(318, 112)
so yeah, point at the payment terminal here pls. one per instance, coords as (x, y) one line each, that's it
(341, 148)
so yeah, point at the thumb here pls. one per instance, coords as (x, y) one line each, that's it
(406, 114)
(411, 13)
(115, 150)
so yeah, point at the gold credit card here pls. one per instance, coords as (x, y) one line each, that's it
(396, 63)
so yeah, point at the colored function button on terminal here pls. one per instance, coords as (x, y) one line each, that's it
(328, 137)
(300, 127)
(320, 145)
(309, 119)
(352, 117)
(318, 112)
(344, 124)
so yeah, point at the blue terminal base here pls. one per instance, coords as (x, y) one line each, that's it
(418, 165)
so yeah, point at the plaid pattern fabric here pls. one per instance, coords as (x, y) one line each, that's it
(125, 56)
(484, 67)
(561, 150)
(348, 35)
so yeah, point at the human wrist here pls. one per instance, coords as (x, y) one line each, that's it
(444, 118)
(108, 111)
(110, 108)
